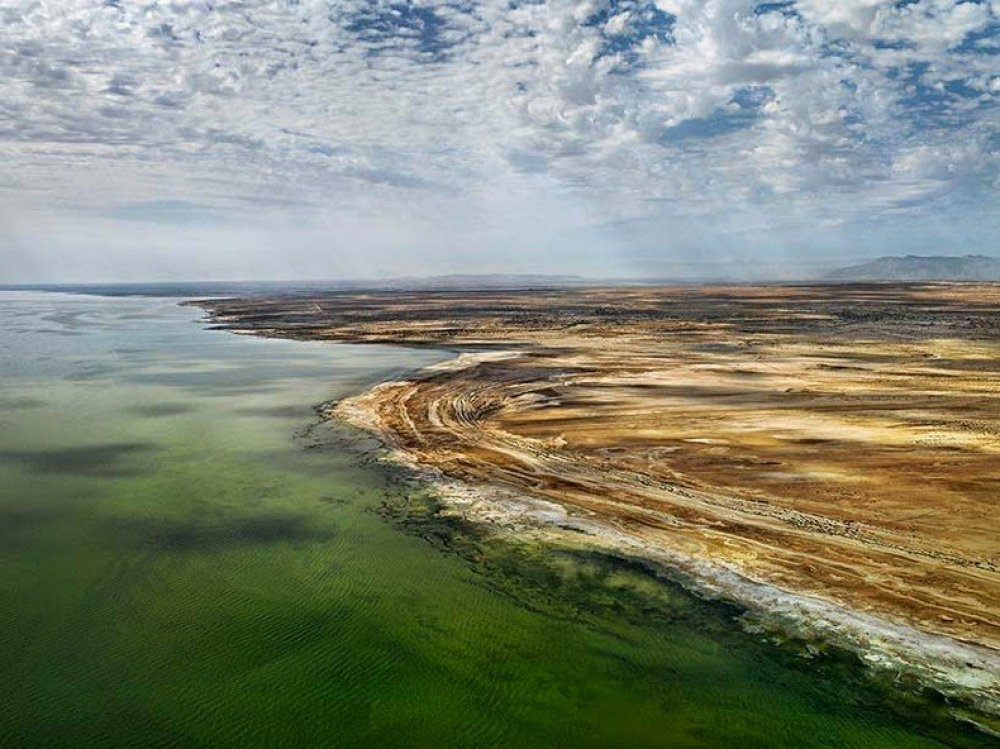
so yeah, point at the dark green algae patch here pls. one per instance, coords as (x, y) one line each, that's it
(626, 599)
(188, 563)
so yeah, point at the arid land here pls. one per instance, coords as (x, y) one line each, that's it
(840, 442)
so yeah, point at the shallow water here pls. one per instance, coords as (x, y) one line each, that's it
(187, 559)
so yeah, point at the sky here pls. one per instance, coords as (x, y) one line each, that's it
(294, 139)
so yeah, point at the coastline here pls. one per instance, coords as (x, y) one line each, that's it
(966, 672)
(820, 456)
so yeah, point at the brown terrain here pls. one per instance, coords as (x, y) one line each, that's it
(839, 441)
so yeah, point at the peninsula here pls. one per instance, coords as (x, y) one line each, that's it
(836, 443)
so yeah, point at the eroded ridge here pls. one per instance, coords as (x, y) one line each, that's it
(837, 441)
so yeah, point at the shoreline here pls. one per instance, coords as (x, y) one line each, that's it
(822, 456)
(960, 670)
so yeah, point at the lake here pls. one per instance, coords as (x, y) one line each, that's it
(190, 558)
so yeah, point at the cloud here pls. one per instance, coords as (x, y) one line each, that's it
(336, 119)
(166, 212)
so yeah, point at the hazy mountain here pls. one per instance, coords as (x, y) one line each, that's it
(917, 268)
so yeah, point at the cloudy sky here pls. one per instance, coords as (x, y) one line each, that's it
(305, 139)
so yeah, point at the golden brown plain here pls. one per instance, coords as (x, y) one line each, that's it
(839, 441)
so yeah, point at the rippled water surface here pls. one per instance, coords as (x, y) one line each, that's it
(186, 559)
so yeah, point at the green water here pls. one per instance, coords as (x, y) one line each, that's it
(186, 559)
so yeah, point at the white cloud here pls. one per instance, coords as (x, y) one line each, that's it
(359, 114)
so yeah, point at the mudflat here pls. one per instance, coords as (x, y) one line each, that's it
(837, 441)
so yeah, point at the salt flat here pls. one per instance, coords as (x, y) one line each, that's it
(837, 441)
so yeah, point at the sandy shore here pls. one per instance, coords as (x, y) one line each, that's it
(963, 670)
(826, 455)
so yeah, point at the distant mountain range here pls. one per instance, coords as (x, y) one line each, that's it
(895, 268)
(917, 268)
